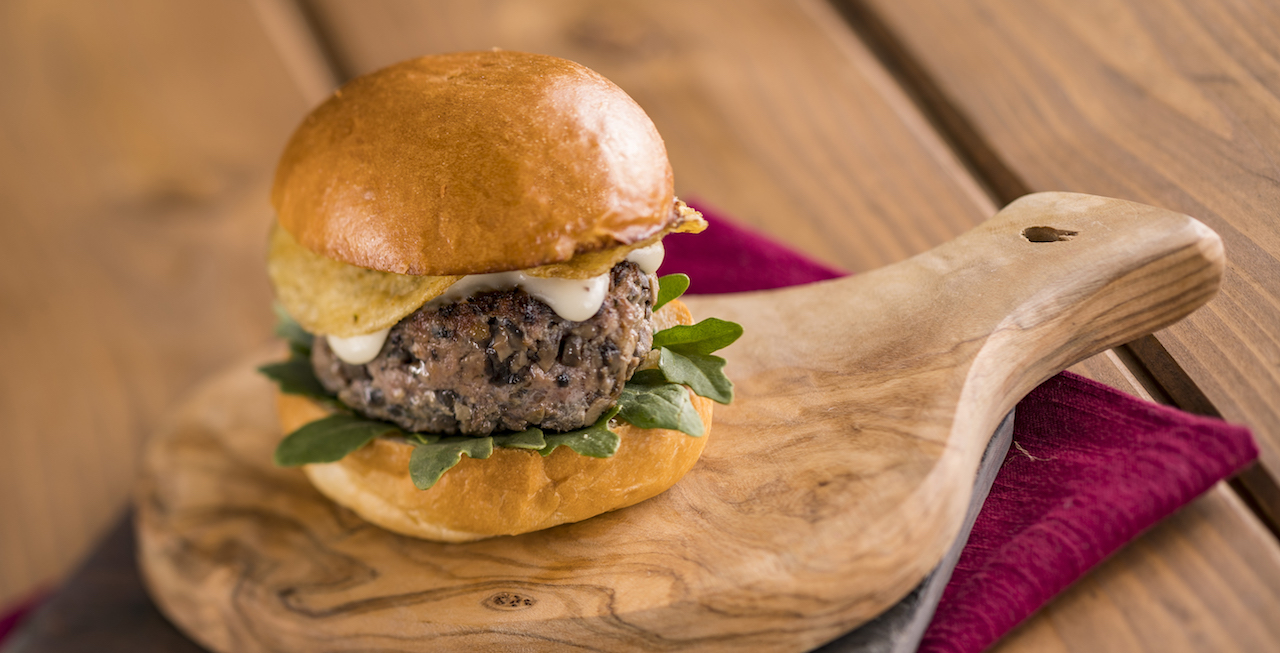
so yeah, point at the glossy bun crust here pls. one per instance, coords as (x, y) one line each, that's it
(473, 162)
(512, 491)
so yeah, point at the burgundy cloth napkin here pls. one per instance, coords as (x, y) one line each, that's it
(1093, 467)
(13, 614)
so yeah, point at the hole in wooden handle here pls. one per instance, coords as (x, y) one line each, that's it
(509, 601)
(1047, 234)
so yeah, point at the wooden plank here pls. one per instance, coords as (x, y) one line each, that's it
(137, 140)
(635, 50)
(1168, 102)
(68, 158)
(771, 111)
(373, 36)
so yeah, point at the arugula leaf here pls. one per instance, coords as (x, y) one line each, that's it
(701, 338)
(528, 439)
(295, 377)
(596, 440)
(328, 440)
(423, 438)
(300, 341)
(670, 287)
(659, 406)
(430, 461)
(647, 377)
(703, 373)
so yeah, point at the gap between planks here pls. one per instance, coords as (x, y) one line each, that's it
(308, 56)
(1167, 383)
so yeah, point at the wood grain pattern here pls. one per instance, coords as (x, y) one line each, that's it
(771, 111)
(874, 434)
(900, 628)
(1170, 102)
(136, 140)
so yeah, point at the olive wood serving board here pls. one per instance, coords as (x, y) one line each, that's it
(830, 488)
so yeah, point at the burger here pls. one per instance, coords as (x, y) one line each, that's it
(464, 256)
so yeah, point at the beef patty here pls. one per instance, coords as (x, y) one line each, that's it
(500, 361)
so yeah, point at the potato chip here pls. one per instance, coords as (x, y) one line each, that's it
(594, 264)
(334, 298)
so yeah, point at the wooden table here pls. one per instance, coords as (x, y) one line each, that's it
(138, 138)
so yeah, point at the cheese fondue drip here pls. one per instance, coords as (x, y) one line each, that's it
(572, 299)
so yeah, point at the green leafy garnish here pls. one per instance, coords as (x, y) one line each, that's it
(329, 440)
(651, 403)
(424, 438)
(704, 337)
(299, 340)
(670, 287)
(703, 373)
(596, 440)
(685, 356)
(528, 439)
(295, 377)
(430, 461)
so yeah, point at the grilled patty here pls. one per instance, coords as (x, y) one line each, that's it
(500, 361)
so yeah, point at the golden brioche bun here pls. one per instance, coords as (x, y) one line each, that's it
(512, 491)
(473, 162)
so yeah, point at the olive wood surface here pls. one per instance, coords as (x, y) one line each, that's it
(828, 490)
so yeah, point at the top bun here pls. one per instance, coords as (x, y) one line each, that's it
(473, 162)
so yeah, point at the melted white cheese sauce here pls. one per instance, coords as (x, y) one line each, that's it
(572, 299)
(358, 350)
(648, 259)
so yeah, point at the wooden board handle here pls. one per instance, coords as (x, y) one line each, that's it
(927, 355)
(1052, 279)
(1078, 274)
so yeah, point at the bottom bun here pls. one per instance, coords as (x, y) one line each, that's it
(512, 491)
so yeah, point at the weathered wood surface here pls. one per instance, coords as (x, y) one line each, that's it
(1169, 102)
(139, 138)
(136, 143)
(849, 453)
